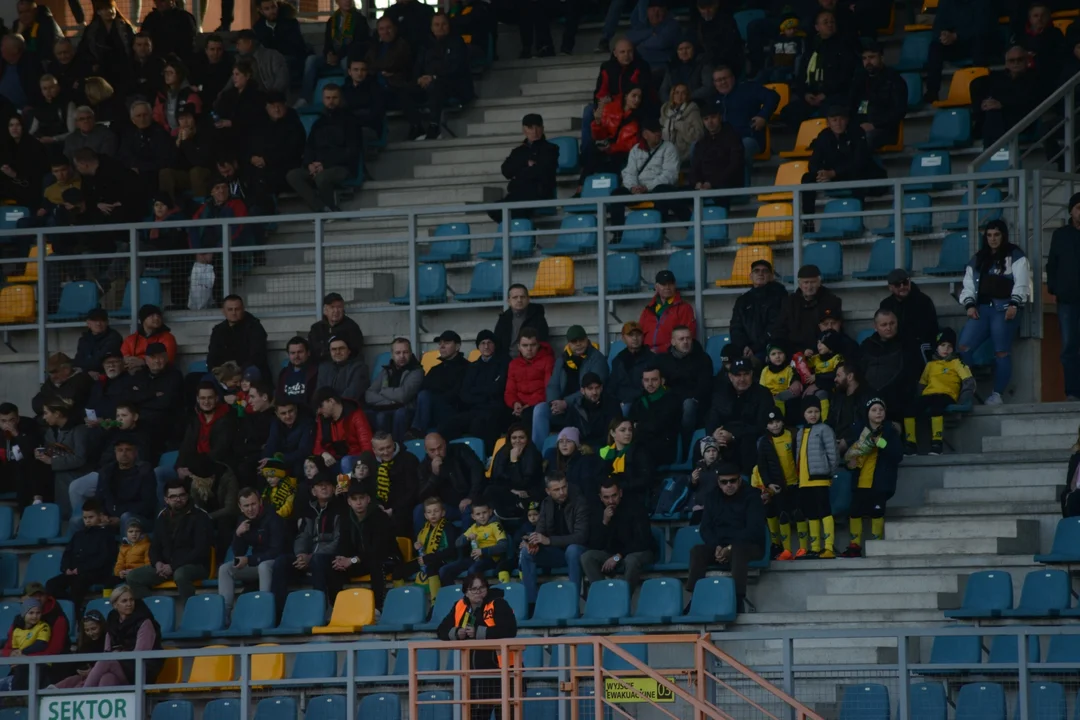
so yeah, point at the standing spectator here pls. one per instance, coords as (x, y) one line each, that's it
(211, 69)
(331, 156)
(482, 412)
(37, 26)
(277, 146)
(914, 310)
(686, 69)
(628, 365)
(714, 30)
(681, 121)
(346, 374)
(738, 414)
(620, 541)
(390, 60)
(474, 21)
(757, 312)
(997, 281)
(687, 370)
(624, 70)
(746, 106)
(719, 159)
(875, 457)
(412, 18)
(299, 378)
(106, 44)
(561, 535)
(345, 38)
(784, 52)
(278, 29)
(652, 166)
(878, 98)
(391, 397)
(25, 164)
(257, 543)
(366, 543)
(437, 400)
(292, 435)
(317, 539)
(840, 154)
(656, 41)
(66, 383)
(341, 430)
(815, 462)
(453, 473)
(65, 451)
(962, 29)
(98, 342)
(152, 329)
(176, 93)
(334, 323)
(1004, 97)
(180, 547)
(665, 312)
(530, 168)
(1063, 282)
(657, 415)
(147, 70)
(798, 324)
(365, 100)
(591, 411)
(890, 366)
(732, 531)
(442, 72)
(1045, 46)
(240, 108)
(522, 313)
(68, 73)
(578, 359)
(88, 557)
(146, 148)
(172, 30)
(23, 73)
(211, 431)
(240, 337)
(269, 67)
(517, 473)
(824, 78)
(53, 115)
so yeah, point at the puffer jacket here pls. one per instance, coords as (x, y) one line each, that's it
(136, 343)
(69, 447)
(1016, 269)
(617, 125)
(682, 126)
(652, 167)
(349, 378)
(593, 362)
(395, 387)
(575, 513)
(527, 380)
(820, 451)
(350, 434)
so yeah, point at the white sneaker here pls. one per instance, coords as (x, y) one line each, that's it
(994, 399)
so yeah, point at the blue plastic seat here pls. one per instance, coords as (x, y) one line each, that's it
(914, 89)
(711, 235)
(987, 594)
(380, 706)
(381, 361)
(578, 236)
(986, 196)
(914, 51)
(1066, 547)
(431, 286)
(556, 605)
(743, 18)
(12, 214)
(659, 601)
(1064, 649)
(315, 105)
(623, 274)
(587, 706)
(681, 264)
(435, 705)
(1045, 594)
(644, 239)
(76, 300)
(951, 128)
(173, 710)
(314, 665)
(304, 609)
(405, 607)
(449, 250)
(40, 568)
(253, 614)
(685, 538)
(684, 456)
(843, 225)
(659, 545)
(1004, 649)
(996, 163)
(39, 525)
(487, 282)
(514, 595)
(101, 604)
(7, 522)
(616, 347)
(416, 447)
(163, 608)
(308, 121)
(981, 701)
(713, 601)
(959, 650)
(714, 345)
(569, 162)
(229, 709)
(915, 223)
(1046, 701)
(203, 616)
(930, 164)
(326, 707)
(600, 185)
(426, 661)
(9, 571)
(521, 246)
(274, 708)
(866, 701)
(828, 256)
(954, 256)
(475, 444)
(69, 612)
(8, 612)
(197, 366)
(540, 704)
(926, 701)
(608, 600)
(883, 259)
(149, 294)
(444, 602)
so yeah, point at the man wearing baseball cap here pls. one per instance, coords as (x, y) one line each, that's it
(1063, 282)
(482, 410)
(665, 312)
(628, 365)
(439, 391)
(334, 323)
(152, 329)
(651, 167)
(738, 415)
(65, 382)
(915, 313)
(530, 168)
(577, 359)
(94, 344)
(757, 312)
(157, 390)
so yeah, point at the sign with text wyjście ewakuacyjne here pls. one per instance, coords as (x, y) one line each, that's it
(99, 706)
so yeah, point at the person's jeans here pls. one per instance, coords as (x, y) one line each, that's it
(317, 191)
(431, 410)
(229, 575)
(542, 421)
(991, 324)
(611, 20)
(396, 422)
(315, 67)
(588, 114)
(550, 557)
(1069, 322)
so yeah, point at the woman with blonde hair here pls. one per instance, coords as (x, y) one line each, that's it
(101, 97)
(680, 119)
(130, 627)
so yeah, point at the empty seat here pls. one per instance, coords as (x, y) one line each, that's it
(986, 196)
(30, 270)
(568, 155)
(987, 593)
(623, 274)
(714, 345)
(405, 607)
(229, 709)
(39, 524)
(431, 286)
(522, 241)
(211, 669)
(76, 300)
(1006, 649)
(436, 704)
(304, 609)
(163, 608)
(949, 129)
(173, 710)
(883, 259)
(659, 601)
(204, 615)
(7, 522)
(416, 447)
(17, 304)
(556, 604)
(274, 708)
(929, 164)
(9, 573)
(837, 226)
(645, 238)
(554, 278)
(685, 539)
(600, 185)
(326, 707)
(577, 236)
(959, 650)
(616, 347)
(448, 250)
(914, 51)
(808, 132)
(981, 701)
(427, 660)
(1045, 594)
(1046, 701)
(711, 235)
(743, 18)
(149, 294)
(514, 595)
(314, 665)
(267, 667)
(789, 173)
(960, 87)
(473, 443)
(42, 566)
(353, 609)
(608, 600)
(915, 223)
(767, 230)
(926, 701)
(253, 614)
(866, 701)
(954, 256)
(380, 706)
(1064, 649)
(1066, 547)
(681, 264)
(713, 601)
(914, 89)
(828, 256)
(11, 216)
(487, 283)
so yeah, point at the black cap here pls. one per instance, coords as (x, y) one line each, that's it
(484, 335)
(897, 276)
(331, 298)
(762, 263)
(837, 111)
(147, 310)
(449, 336)
(774, 414)
(831, 340)
(275, 96)
(652, 124)
(811, 401)
(323, 476)
(591, 378)
(532, 120)
(728, 352)
(830, 311)
(98, 314)
(1074, 200)
(202, 466)
(658, 3)
(876, 401)
(740, 366)
(947, 335)
(665, 277)
(727, 469)
(871, 45)
(247, 35)
(216, 180)
(111, 354)
(163, 197)
(809, 271)
(156, 348)
(360, 487)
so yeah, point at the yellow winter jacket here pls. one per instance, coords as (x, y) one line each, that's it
(945, 377)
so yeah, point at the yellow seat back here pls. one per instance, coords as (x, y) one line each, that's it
(790, 173)
(770, 231)
(353, 609)
(30, 272)
(429, 360)
(495, 451)
(212, 668)
(17, 304)
(960, 87)
(554, 277)
(268, 667)
(744, 258)
(474, 355)
(808, 132)
(784, 91)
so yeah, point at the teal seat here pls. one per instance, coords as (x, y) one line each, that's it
(163, 608)
(304, 609)
(914, 89)
(601, 185)
(101, 604)
(569, 159)
(514, 595)
(926, 701)
(381, 361)
(9, 610)
(149, 294)
(986, 595)
(839, 224)
(608, 600)
(950, 128)
(380, 706)
(370, 663)
(41, 567)
(271, 708)
(1046, 701)
(646, 238)
(254, 614)
(326, 707)
(436, 705)
(1064, 649)
(404, 609)
(431, 286)
(914, 51)
(1066, 545)
(76, 300)
(883, 259)
(416, 447)
(449, 250)
(314, 666)
(743, 18)
(915, 223)
(714, 345)
(928, 165)
(315, 105)
(577, 236)
(204, 615)
(173, 710)
(981, 701)
(7, 522)
(444, 603)
(1045, 594)
(865, 701)
(828, 256)
(521, 246)
(39, 524)
(616, 347)
(9, 571)
(1005, 649)
(713, 601)
(10, 217)
(681, 264)
(986, 196)
(959, 650)
(197, 366)
(473, 443)
(487, 282)
(623, 274)
(954, 256)
(540, 704)
(556, 606)
(711, 235)
(686, 538)
(659, 601)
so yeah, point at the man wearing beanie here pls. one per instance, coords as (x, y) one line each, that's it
(482, 413)
(651, 167)
(531, 169)
(757, 311)
(1063, 282)
(152, 329)
(591, 411)
(98, 342)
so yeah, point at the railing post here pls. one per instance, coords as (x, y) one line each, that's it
(898, 225)
(972, 213)
(350, 683)
(33, 678)
(599, 691)
(140, 688)
(414, 687)
(788, 660)
(699, 268)
(414, 331)
(504, 682)
(507, 256)
(1024, 674)
(133, 275)
(1035, 256)
(796, 232)
(42, 304)
(245, 682)
(601, 277)
(226, 259)
(1070, 132)
(902, 689)
(320, 280)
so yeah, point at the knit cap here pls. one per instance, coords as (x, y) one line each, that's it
(572, 434)
(947, 335)
(875, 401)
(811, 402)
(831, 340)
(30, 604)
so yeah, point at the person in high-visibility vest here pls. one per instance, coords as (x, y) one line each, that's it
(481, 614)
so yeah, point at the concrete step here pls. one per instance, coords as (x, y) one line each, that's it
(567, 89)
(822, 656)
(895, 601)
(487, 167)
(963, 546)
(550, 111)
(1056, 424)
(447, 195)
(556, 125)
(961, 529)
(567, 74)
(892, 584)
(494, 153)
(832, 643)
(1020, 493)
(1004, 475)
(1008, 443)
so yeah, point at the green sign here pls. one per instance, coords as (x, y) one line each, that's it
(100, 706)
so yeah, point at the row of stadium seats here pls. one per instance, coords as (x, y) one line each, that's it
(975, 701)
(968, 650)
(989, 594)
(18, 303)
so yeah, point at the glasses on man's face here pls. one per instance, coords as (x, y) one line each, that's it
(727, 481)
(178, 496)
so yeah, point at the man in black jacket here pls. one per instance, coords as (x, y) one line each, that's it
(560, 537)
(88, 557)
(146, 71)
(890, 366)
(146, 147)
(713, 29)
(18, 471)
(36, 24)
(799, 314)
(738, 415)
(172, 30)
(840, 154)
(240, 337)
(1063, 282)
(657, 415)
(277, 29)
(334, 323)
(66, 382)
(318, 537)
(847, 411)
(687, 370)
(521, 313)
(277, 146)
(824, 76)
(719, 158)
(179, 548)
(878, 98)
(413, 20)
(962, 29)
(395, 478)
(482, 410)
(211, 69)
(365, 100)
(592, 410)
(257, 543)
(367, 543)
(530, 168)
(624, 381)
(437, 401)
(1045, 45)
(915, 313)
(756, 316)
(344, 371)
(106, 181)
(452, 473)
(157, 390)
(619, 538)
(211, 430)
(331, 156)
(126, 487)
(98, 342)
(252, 432)
(732, 531)
(441, 72)
(1004, 97)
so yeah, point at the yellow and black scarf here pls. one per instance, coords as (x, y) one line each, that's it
(382, 481)
(432, 540)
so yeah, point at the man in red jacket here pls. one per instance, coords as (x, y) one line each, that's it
(665, 312)
(527, 378)
(341, 429)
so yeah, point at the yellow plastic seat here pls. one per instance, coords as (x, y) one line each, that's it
(30, 273)
(171, 673)
(211, 669)
(770, 231)
(808, 132)
(554, 277)
(784, 91)
(267, 667)
(494, 451)
(790, 173)
(474, 355)
(960, 87)
(1063, 24)
(429, 360)
(891, 27)
(1060, 14)
(17, 304)
(744, 258)
(898, 146)
(353, 609)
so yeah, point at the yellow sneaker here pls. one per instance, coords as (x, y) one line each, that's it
(827, 554)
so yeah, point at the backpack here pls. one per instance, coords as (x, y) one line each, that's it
(674, 497)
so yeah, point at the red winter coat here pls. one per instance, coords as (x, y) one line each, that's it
(351, 428)
(657, 328)
(526, 381)
(618, 126)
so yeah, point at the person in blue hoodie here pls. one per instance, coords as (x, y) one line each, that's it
(655, 40)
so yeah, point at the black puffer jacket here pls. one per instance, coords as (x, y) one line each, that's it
(484, 383)
(536, 180)
(738, 518)
(885, 95)
(334, 141)
(182, 538)
(756, 316)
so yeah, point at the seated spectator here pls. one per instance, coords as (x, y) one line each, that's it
(220, 204)
(345, 39)
(390, 60)
(890, 367)
(278, 29)
(366, 543)
(107, 181)
(945, 381)
(591, 411)
(347, 374)
(579, 358)
(915, 312)
(412, 18)
(619, 539)
(211, 431)
(18, 471)
(240, 337)
(517, 473)
(878, 98)
(656, 40)
(157, 391)
(394, 477)
(482, 547)
(91, 641)
(657, 416)
(481, 410)
(277, 146)
(840, 154)
(317, 538)
(528, 377)
(38, 28)
(845, 18)
(26, 163)
(530, 168)
(628, 365)
(564, 511)
(732, 531)
(628, 461)
(88, 557)
(97, 343)
(257, 543)
(651, 167)
(68, 73)
(28, 635)
(211, 69)
(436, 545)
(578, 461)
(619, 74)
(738, 415)
(67, 383)
(53, 115)
(719, 159)
(962, 29)
(756, 314)
(437, 400)
(247, 185)
(213, 488)
(171, 29)
(341, 430)
(785, 52)
(134, 549)
(681, 121)
(152, 329)
(800, 311)
(131, 628)
(109, 107)
(126, 486)
(688, 68)
(1004, 97)
(179, 548)
(23, 88)
(192, 158)
(88, 134)
(106, 44)
(745, 106)
(147, 70)
(665, 314)
(474, 22)
(52, 614)
(168, 235)
(365, 100)
(299, 378)
(241, 106)
(331, 156)
(334, 324)
(825, 75)
(256, 415)
(280, 491)
(292, 435)
(54, 211)
(714, 31)
(687, 371)
(146, 148)
(451, 473)
(614, 134)
(110, 388)
(442, 72)
(269, 68)
(391, 397)
(847, 406)
(521, 313)
(176, 93)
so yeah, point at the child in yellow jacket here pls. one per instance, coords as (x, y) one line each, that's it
(822, 365)
(945, 381)
(280, 491)
(134, 551)
(29, 635)
(779, 377)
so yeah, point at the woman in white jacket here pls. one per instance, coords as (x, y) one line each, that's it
(652, 167)
(996, 282)
(681, 121)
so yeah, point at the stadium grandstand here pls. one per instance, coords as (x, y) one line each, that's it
(546, 359)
